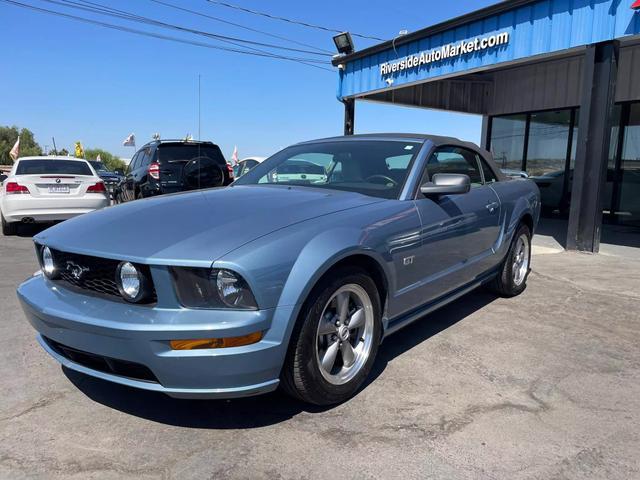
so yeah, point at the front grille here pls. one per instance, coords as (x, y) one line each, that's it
(122, 368)
(91, 273)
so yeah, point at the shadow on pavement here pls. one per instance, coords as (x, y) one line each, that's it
(272, 408)
(31, 229)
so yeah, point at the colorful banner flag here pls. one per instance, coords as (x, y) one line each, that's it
(234, 156)
(130, 141)
(15, 151)
(79, 150)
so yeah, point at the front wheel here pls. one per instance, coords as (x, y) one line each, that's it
(512, 278)
(334, 344)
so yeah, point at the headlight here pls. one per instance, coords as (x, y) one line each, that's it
(48, 264)
(133, 284)
(212, 288)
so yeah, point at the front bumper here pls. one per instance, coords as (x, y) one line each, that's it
(141, 335)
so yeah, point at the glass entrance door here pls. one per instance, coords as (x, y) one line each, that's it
(548, 152)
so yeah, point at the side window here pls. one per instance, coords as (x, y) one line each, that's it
(489, 176)
(134, 162)
(455, 160)
(145, 158)
(249, 164)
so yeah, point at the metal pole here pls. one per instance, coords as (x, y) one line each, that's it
(592, 152)
(349, 115)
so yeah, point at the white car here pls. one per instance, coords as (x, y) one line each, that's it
(246, 164)
(46, 189)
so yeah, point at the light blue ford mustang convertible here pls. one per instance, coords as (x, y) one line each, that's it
(280, 279)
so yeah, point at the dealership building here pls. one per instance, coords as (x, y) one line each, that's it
(557, 83)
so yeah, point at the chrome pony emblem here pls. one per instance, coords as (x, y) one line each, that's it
(76, 270)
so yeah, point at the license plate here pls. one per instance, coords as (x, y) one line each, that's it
(58, 189)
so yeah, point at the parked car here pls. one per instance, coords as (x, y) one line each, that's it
(169, 166)
(178, 295)
(296, 170)
(46, 189)
(246, 164)
(111, 179)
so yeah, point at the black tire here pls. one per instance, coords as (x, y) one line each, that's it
(301, 376)
(504, 284)
(8, 228)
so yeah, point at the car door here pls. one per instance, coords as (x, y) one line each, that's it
(129, 183)
(458, 231)
(141, 172)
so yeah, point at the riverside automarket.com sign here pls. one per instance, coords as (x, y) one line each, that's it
(445, 52)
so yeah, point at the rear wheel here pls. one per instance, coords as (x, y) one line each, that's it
(334, 344)
(512, 278)
(8, 228)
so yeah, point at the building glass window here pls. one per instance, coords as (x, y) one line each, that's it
(546, 158)
(541, 144)
(628, 201)
(608, 203)
(548, 137)
(507, 141)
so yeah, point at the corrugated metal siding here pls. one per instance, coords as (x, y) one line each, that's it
(543, 27)
(628, 83)
(540, 86)
(454, 95)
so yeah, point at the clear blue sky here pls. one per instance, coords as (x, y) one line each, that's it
(83, 82)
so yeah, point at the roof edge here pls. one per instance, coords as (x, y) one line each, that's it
(476, 15)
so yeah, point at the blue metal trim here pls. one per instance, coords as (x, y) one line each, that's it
(538, 28)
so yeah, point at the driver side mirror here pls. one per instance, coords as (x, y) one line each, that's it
(446, 184)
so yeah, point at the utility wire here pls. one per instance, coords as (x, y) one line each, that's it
(100, 9)
(105, 10)
(288, 20)
(162, 37)
(222, 20)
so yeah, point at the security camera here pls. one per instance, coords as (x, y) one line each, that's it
(389, 81)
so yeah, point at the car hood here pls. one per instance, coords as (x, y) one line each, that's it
(194, 228)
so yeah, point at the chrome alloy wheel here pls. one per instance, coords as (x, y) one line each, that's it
(520, 265)
(345, 334)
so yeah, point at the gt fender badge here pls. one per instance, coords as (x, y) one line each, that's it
(408, 260)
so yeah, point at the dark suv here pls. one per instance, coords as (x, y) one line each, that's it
(169, 166)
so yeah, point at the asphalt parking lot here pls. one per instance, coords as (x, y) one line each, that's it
(546, 385)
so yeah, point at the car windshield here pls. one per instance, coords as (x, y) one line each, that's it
(377, 168)
(99, 166)
(53, 167)
(180, 152)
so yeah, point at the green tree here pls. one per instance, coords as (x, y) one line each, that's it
(8, 137)
(63, 152)
(110, 160)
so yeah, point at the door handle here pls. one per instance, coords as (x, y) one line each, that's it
(492, 206)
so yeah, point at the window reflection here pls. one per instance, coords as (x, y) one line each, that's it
(628, 201)
(507, 141)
